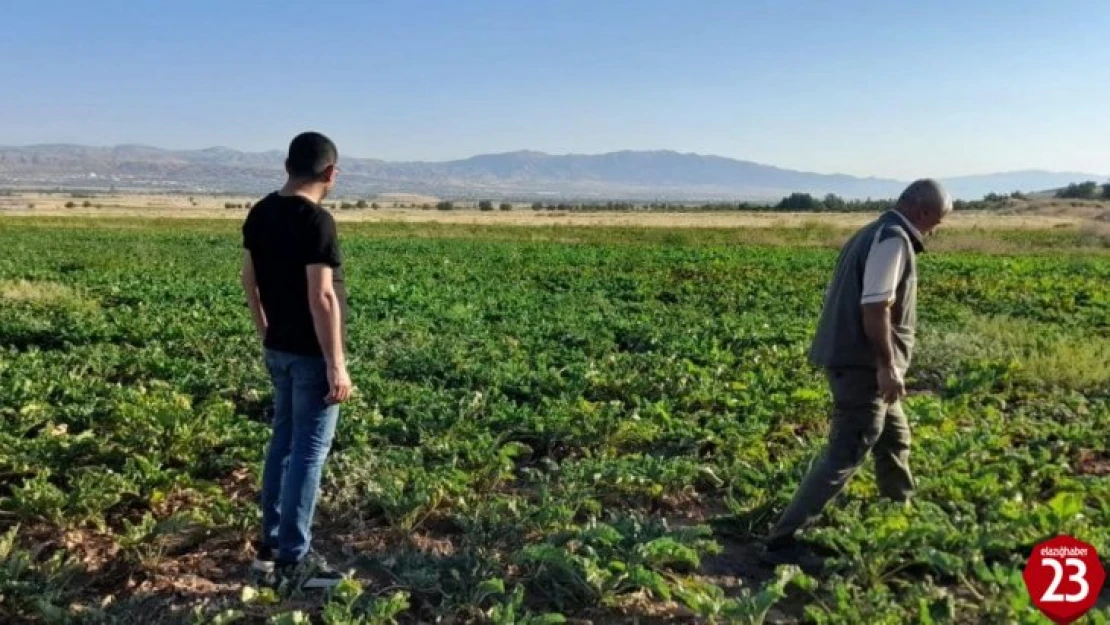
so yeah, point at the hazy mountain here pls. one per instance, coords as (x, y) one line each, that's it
(615, 175)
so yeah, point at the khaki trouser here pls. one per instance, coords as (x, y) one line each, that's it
(861, 422)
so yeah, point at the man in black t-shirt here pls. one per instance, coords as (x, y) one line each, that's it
(293, 278)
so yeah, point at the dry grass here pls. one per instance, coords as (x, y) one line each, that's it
(1038, 352)
(1038, 214)
(806, 231)
(710, 220)
(39, 292)
(1095, 210)
(1017, 229)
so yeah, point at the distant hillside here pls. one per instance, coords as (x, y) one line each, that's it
(1034, 183)
(664, 175)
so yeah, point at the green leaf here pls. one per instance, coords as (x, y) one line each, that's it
(1066, 505)
(806, 394)
(489, 587)
(347, 591)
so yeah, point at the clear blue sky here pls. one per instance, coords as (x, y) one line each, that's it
(902, 89)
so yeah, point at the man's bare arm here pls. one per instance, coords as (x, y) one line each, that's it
(876, 324)
(326, 319)
(254, 300)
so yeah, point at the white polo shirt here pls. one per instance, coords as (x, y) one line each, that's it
(885, 263)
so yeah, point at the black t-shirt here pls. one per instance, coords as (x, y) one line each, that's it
(284, 235)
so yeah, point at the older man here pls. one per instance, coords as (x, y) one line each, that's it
(865, 341)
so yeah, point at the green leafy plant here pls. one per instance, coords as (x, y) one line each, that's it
(556, 422)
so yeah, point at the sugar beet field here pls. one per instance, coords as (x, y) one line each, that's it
(552, 425)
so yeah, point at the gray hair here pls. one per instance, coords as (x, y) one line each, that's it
(925, 193)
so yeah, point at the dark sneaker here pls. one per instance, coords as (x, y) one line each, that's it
(789, 550)
(779, 543)
(311, 573)
(263, 566)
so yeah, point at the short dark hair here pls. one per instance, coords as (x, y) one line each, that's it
(310, 153)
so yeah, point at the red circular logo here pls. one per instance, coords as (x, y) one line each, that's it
(1064, 577)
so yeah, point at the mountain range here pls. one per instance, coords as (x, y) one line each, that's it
(624, 175)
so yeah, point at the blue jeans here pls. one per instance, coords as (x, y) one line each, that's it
(303, 428)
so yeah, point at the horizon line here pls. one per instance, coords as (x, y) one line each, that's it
(558, 155)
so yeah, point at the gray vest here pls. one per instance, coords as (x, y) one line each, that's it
(840, 340)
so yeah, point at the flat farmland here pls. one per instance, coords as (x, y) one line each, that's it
(417, 209)
(567, 423)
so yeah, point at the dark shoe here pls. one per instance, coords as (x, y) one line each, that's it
(263, 566)
(311, 573)
(779, 543)
(785, 550)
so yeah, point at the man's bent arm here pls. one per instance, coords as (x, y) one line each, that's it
(254, 300)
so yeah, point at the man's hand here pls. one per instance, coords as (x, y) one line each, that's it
(340, 384)
(891, 386)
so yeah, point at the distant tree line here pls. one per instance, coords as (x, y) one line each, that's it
(799, 202)
(487, 205)
(1089, 190)
(85, 204)
(795, 202)
(805, 203)
(359, 205)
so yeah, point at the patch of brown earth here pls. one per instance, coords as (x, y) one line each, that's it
(1091, 462)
